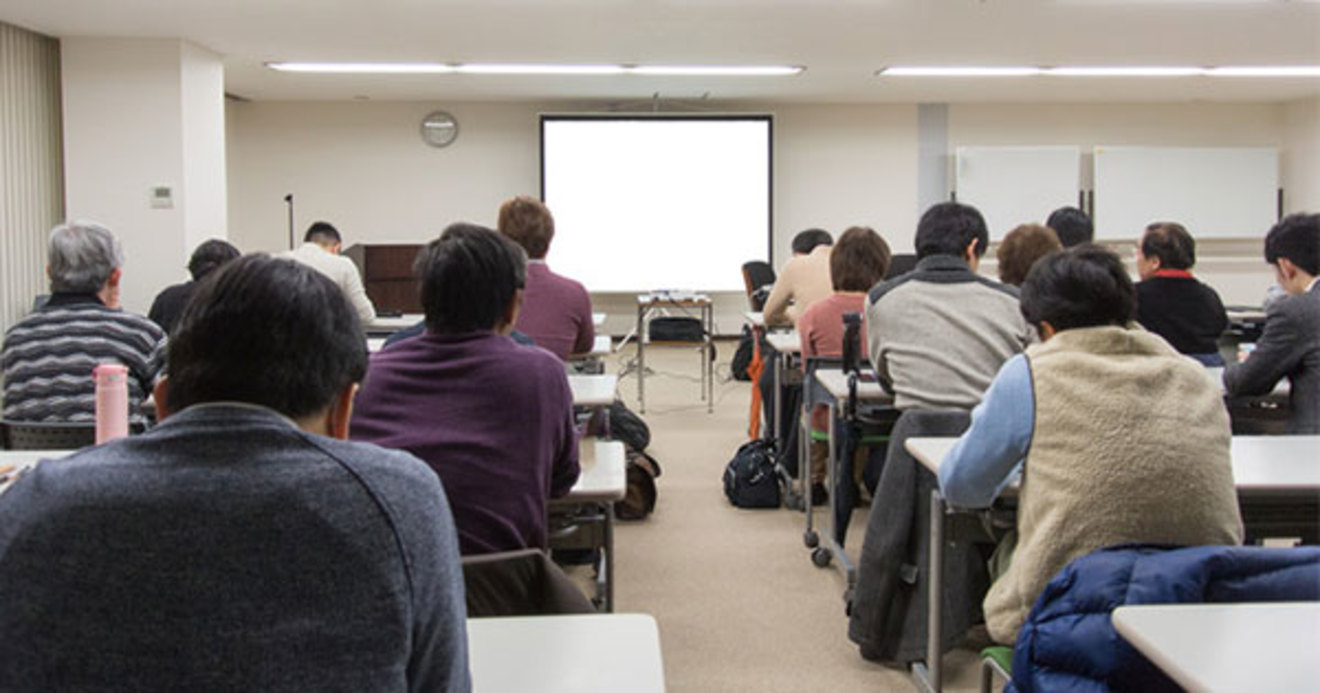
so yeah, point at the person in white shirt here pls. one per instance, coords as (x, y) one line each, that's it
(320, 250)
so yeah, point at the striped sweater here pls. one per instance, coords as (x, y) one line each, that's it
(48, 359)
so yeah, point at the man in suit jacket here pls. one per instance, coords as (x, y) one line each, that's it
(1290, 344)
(242, 544)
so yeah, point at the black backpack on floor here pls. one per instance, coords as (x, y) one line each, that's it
(750, 480)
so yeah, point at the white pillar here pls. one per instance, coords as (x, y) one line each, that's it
(144, 151)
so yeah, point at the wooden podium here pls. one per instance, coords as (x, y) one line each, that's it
(387, 275)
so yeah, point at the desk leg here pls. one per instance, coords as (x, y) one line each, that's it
(929, 675)
(641, 359)
(709, 361)
(609, 558)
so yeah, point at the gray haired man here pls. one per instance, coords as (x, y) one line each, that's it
(48, 357)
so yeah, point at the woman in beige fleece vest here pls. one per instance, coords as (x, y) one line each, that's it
(1117, 437)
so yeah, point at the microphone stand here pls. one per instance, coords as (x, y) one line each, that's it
(288, 199)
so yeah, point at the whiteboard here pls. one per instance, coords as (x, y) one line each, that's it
(1017, 185)
(1214, 192)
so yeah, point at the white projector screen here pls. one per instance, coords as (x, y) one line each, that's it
(657, 202)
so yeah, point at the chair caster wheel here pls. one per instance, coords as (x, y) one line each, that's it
(820, 556)
(811, 539)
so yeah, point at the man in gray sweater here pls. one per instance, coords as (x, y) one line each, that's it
(939, 333)
(242, 544)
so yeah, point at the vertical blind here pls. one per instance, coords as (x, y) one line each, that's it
(31, 165)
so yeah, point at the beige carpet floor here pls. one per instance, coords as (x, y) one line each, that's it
(739, 603)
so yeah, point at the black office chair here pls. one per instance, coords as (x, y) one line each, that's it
(36, 435)
(758, 277)
(520, 583)
(901, 264)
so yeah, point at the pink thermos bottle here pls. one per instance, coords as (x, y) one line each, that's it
(111, 401)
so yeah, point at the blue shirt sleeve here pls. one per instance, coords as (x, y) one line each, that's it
(988, 457)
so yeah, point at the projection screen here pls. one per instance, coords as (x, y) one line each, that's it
(657, 202)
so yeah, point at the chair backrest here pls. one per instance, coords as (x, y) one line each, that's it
(36, 435)
(757, 275)
(900, 264)
(520, 583)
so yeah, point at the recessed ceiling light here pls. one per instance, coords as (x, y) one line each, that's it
(1123, 71)
(537, 69)
(1265, 71)
(968, 71)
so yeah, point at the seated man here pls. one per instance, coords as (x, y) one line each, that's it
(492, 417)
(320, 249)
(1117, 436)
(803, 281)
(48, 356)
(1290, 344)
(556, 311)
(208, 256)
(1170, 301)
(241, 544)
(939, 333)
(1072, 225)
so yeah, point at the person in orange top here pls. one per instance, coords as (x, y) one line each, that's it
(859, 261)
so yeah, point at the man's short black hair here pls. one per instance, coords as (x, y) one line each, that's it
(806, 241)
(1082, 286)
(1171, 243)
(948, 228)
(210, 255)
(469, 275)
(1296, 237)
(266, 331)
(1072, 225)
(322, 233)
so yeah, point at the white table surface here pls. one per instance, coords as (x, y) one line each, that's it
(22, 459)
(1261, 464)
(785, 341)
(1250, 315)
(1281, 388)
(836, 383)
(375, 344)
(604, 473)
(380, 324)
(566, 654)
(601, 346)
(597, 319)
(593, 390)
(755, 318)
(687, 299)
(1229, 647)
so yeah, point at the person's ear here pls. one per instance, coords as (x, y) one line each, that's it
(1046, 330)
(161, 394)
(115, 275)
(340, 413)
(971, 250)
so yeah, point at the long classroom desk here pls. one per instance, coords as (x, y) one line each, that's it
(593, 390)
(590, 653)
(788, 350)
(869, 391)
(1278, 472)
(1228, 647)
(602, 481)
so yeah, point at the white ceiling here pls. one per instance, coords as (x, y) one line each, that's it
(840, 42)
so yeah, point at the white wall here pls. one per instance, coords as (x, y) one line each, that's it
(1233, 267)
(364, 167)
(1301, 156)
(140, 113)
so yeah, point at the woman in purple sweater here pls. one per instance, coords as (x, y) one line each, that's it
(493, 418)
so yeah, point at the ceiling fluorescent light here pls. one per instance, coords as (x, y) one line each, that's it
(716, 71)
(1263, 71)
(1123, 71)
(545, 69)
(365, 68)
(958, 71)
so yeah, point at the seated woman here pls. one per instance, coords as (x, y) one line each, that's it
(1116, 436)
(859, 261)
(1170, 301)
(1021, 248)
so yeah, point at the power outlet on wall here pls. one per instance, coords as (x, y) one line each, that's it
(162, 197)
